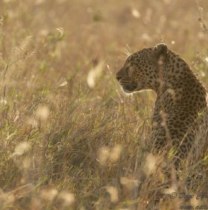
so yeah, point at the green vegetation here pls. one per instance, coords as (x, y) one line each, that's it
(70, 138)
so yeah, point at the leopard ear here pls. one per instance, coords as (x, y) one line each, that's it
(160, 49)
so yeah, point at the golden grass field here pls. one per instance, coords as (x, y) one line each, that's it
(70, 138)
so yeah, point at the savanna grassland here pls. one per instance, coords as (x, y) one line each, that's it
(70, 138)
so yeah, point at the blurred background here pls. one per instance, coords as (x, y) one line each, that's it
(70, 139)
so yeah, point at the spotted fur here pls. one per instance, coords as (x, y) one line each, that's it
(180, 96)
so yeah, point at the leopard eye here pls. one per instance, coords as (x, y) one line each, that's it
(130, 71)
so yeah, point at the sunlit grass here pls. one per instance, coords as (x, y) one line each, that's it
(70, 138)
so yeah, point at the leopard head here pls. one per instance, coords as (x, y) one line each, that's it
(140, 71)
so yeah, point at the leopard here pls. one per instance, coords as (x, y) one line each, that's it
(180, 97)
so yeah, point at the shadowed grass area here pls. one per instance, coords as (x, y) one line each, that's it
(70, 138)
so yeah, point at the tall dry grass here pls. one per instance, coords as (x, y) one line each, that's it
(70, 139)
